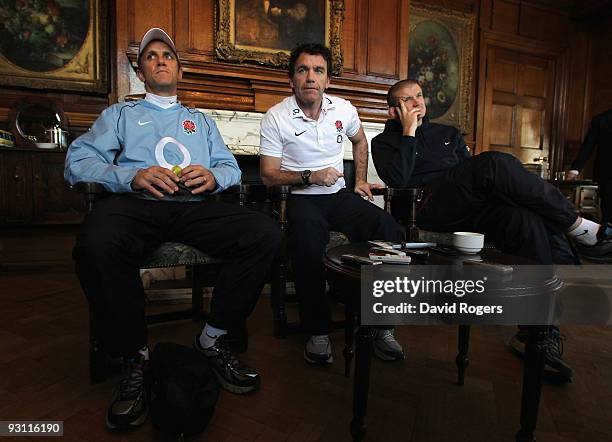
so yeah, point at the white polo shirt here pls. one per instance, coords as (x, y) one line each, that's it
(305, 144)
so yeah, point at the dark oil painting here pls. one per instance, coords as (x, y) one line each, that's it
(434, 63)
(279, 24)
(42, 35)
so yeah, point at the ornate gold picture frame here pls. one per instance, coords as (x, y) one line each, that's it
(55, 44)
(264, 32)
(440, 58)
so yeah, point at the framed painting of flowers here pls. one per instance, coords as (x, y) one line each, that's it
(54, 44)
(440, 57)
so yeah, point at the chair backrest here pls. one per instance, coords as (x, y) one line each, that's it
(349, 173)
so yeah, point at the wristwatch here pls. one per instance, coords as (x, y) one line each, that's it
(306, 177)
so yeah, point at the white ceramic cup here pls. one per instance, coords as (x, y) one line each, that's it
(468, 242)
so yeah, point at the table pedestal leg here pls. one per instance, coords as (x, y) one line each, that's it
(532, 382)
(349, 336)
(361, 383)
(462, 359)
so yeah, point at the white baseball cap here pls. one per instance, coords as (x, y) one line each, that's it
(156, 34)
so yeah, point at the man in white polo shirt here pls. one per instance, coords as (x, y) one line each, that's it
(302, 145)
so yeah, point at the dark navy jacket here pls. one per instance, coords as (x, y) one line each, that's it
(404, 161)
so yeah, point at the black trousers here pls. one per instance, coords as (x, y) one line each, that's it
(122, 231)
(310, 218)
(494, 194)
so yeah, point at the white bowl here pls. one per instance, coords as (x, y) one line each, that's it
(47, 145)
(468, 242)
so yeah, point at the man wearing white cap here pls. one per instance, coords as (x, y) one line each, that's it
(160, 160)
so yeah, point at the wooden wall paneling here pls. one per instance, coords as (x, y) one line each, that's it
(559, 113)
(403, 38)
(54, 202)
(349, 35)
(16, 180)
(362, 33)
(576, 112)
(469, 6)
(543, 24)
(383, 27)
(601, 86)
(123, 31)
(199, 27)
(387, 42)
(145, 14)
(505, 16)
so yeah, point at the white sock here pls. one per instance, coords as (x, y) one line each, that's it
(585, 233)
(209, 335)
(145, 352)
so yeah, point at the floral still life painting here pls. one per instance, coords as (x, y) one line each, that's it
(434, 63)
(54, 44)
(42, 35)
(440, 59)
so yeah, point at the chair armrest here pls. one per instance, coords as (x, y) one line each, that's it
(91, 191)
(411, 195)
(281, 194)
(284, 189)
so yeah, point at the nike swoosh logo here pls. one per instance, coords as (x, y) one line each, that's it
(140, 123)
(446, 143)
(298, 134)
(583, 233)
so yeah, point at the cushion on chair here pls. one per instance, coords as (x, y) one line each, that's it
(171, 254)
(336, 239)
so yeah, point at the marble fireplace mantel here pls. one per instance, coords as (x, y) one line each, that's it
(240, 130)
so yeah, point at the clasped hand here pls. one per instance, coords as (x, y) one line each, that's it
(159, 180)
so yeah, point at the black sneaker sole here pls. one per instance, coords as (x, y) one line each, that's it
(387, 357)
(318, 360)
(129, 426)
(233, 388)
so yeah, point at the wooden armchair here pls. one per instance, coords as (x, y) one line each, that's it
(281, 272)
(202, 272)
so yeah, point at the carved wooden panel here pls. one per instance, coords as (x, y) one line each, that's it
(531, 128)
(534, 80)
(16, 180)
(504, 76)
(54, 202)
(502, 133)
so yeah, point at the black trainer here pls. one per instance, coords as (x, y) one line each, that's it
(129, 408)
(602, 251)
(554, 366)
(232, 374)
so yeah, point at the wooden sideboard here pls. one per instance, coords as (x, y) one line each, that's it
(33, 189)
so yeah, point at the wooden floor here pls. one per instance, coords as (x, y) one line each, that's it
(43, 375)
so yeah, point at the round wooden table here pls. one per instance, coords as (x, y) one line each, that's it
(346, 278)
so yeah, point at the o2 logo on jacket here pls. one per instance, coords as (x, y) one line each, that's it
(189, 127)
(161, 158)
